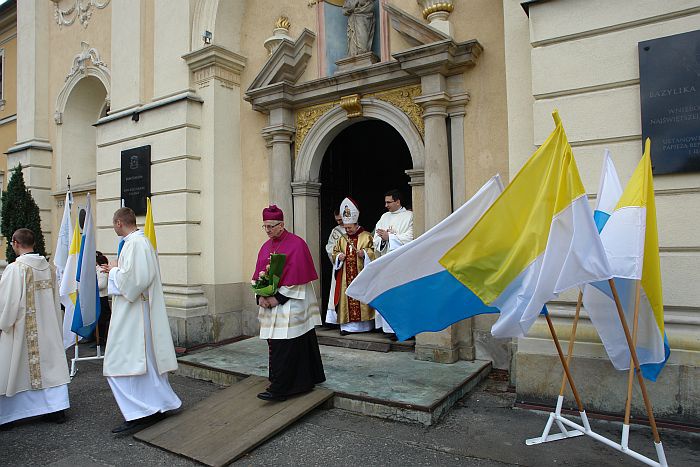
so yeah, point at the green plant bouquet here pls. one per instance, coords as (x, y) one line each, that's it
(267, 283)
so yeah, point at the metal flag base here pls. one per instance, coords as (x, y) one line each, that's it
(578, 430)
(76, 358)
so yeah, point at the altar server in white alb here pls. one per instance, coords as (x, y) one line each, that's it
(394, 230)
(33, 369)
(140, 350)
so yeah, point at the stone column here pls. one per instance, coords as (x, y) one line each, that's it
(172, 23)
(32, 148)
(306, 221)
(128, 54)
(456, 111)
(441, 346)
(216, 74)
(417, 184)
(279, 133)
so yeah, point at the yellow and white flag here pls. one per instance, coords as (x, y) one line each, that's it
(631, 242)
(68, 290)
(535, 241)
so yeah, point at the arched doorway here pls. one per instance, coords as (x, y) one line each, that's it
(86, 103)
(363, 161)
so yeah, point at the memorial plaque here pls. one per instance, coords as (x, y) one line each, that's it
(136, 178)
(669, 83)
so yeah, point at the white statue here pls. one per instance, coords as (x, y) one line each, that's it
(360, 15)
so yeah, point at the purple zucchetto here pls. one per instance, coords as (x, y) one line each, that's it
(272, 213)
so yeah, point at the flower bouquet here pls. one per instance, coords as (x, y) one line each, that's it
(267, 283)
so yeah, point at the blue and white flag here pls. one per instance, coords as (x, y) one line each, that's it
(609, 192)
(409, 286)
(87, 307)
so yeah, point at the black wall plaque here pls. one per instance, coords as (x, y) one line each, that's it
(669, 82)
(136, 178)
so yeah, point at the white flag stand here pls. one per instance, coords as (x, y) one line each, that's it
(78, 358)
(578, 430)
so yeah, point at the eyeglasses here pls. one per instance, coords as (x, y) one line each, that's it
(270, 227)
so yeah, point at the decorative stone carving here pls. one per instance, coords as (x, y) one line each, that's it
(361, 21)
(305, 119)
(86, 63)
(80, 61)
(80, 9)
(351, 104)
(403, 98)
(280, 33)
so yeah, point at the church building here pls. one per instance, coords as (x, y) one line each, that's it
(218, 108)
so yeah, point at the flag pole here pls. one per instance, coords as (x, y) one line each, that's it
(635, 360)
(564, 362)
(630, 378)
(572, 340)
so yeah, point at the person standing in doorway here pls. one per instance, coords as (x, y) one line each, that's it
(350, 254)
(140, 351)
(394, 230)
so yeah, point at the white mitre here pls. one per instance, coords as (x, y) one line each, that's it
(349, 211)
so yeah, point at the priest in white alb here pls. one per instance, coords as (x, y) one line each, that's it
(140, 350)
(33, 368)
(394, 230)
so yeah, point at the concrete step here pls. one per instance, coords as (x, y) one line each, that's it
(375, 341)
(391, 385)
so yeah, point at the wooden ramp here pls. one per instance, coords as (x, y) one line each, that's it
(224, 427)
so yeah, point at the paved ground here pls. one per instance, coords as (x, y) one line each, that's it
(483, 430)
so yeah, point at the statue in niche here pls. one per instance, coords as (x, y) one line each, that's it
(360, 15)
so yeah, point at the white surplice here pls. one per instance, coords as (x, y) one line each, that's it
(293, 318)
(337, 232)
(140, 349)
(399, 224)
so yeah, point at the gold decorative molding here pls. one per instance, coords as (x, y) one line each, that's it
(402, 98)
(305, 119)
(443, 6)
(351, 104)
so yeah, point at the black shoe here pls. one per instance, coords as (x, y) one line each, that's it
(344, 333)
(268, 396)
(127, 426)
(7, 426)
(55, 417)
(138, 423)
